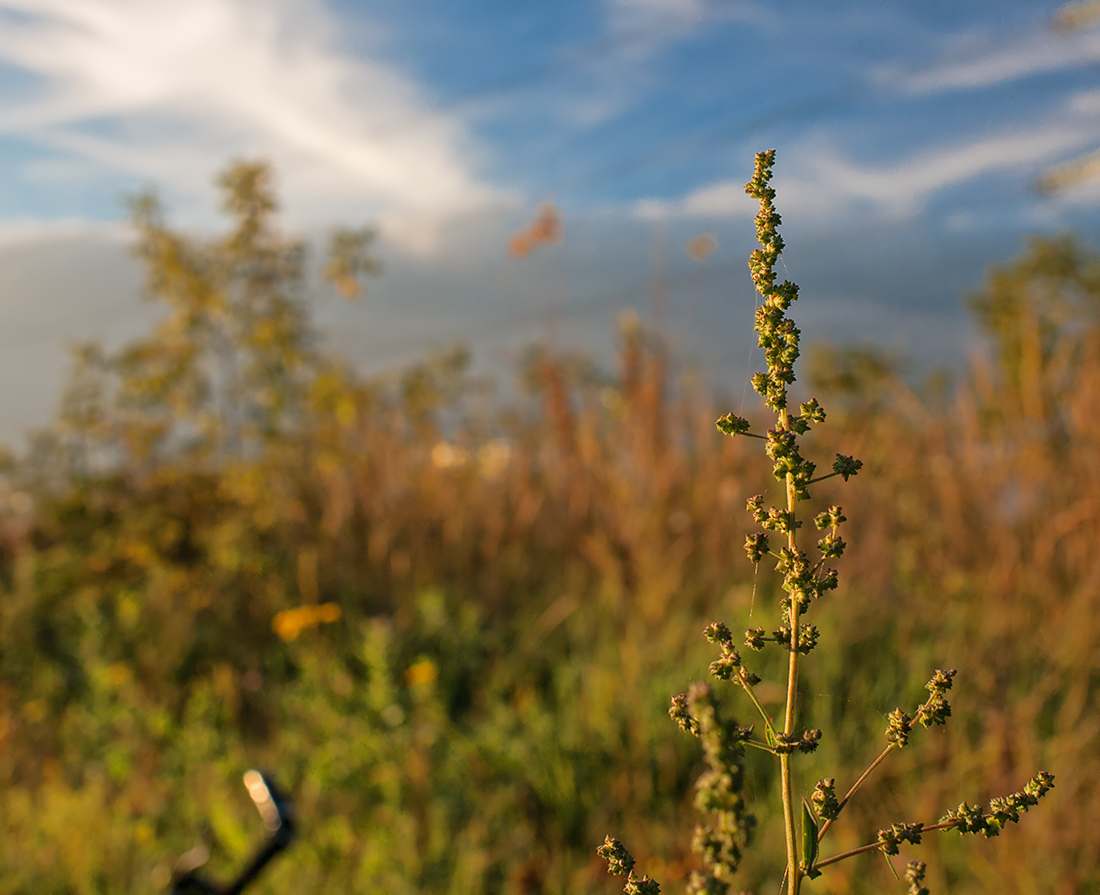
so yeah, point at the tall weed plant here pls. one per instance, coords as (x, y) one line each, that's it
(806, 579)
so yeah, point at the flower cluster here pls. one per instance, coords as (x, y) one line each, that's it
(620, 862)
(846, 466)
(681, 714)
(934, 710)
(731, 424)
(824, 799)
(830, 518)
(803, 580)
(891, 839)
(914, 875)
(719, 791)
(772, 519)
(1002, 811)
(726, 666)
(899, 727)
(756, 546)
(778, 335)
(782, 446)
(804, 742)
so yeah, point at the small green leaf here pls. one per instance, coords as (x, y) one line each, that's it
(809, 841)
(890, 864)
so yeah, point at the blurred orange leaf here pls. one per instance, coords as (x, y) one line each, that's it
(546, 228)
(702, 246)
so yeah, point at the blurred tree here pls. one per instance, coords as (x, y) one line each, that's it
(1036, 307)
(1075, 16)
(350, 259)
(178, 493)
(860, 376)
(229, 367)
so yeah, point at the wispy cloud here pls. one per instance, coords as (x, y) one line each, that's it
(976, 67)
(627, 15)
(167, 90)
(833, 184)
(726, 198)
(637, 32)
(820, 184)
(28, 231)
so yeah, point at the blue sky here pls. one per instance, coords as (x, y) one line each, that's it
(910, 136)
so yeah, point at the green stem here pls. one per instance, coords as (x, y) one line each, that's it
(923, 707)
(747, 687)
(794, 871)
(863, 849)
(852, 791)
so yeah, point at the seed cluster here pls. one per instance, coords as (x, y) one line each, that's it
(620, 862)
(1001, 811)
(914, 875)
(719, 791)
(935, 710)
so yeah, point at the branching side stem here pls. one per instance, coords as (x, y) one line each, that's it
(747, 687)
(855, 786)
(863, 849)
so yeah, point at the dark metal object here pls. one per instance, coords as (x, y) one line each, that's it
(277, 812)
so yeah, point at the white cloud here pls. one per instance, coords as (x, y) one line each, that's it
(726, 198)
(652, 13)
(168, 90)
(637, 32)
(820, 184)
(28, 231)
(1045, 51)
(903, 187)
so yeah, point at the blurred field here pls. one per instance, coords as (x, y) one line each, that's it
(520, 591)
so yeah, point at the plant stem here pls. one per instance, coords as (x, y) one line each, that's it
(848, 854)
(852, 791)
(928, 828)
(747, 687)
(794, 871)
